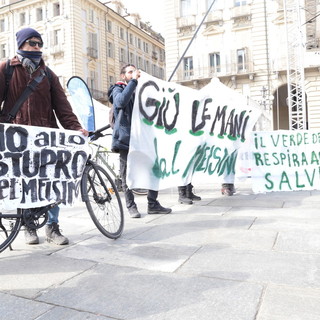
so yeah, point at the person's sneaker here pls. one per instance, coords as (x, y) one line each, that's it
(134, 213)
(53, 234)
(31, 236)
(157, 208)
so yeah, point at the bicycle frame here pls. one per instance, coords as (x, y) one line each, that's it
(98, 199)
(99, 155)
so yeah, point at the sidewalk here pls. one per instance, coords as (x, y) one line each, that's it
(242, 257)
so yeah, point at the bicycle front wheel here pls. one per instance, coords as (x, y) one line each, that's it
(10, 224)
(103, 201)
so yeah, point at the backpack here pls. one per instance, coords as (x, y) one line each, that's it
(8, 72)
(110, 98)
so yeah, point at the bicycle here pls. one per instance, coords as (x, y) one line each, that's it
(101, 156)
(98, 191)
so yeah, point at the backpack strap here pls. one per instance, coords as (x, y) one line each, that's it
(25, 94)
(8, 71)
(48, 73)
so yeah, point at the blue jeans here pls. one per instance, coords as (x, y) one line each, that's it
(53, 215)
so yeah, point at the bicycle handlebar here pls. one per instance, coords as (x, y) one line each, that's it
(98, 133)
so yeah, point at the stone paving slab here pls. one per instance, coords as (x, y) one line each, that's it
(17, 308)
(290, 303)
(286, 224)
(58, 313)
(149, 256)
(188, 230)
(298, 241)
(244, 202)
(27, 275)
(280, 268)
(301, 204)
(139, 294)
(285, 212)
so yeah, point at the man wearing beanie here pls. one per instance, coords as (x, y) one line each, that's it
(37, 109)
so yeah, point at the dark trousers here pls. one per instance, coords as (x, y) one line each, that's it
(128, 194)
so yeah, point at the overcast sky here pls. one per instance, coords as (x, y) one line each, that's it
(149, 10)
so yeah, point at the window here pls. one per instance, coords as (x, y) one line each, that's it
(188, 67)
(39, 14)
(241, 60)
(92, 80)
(216, 5)
(187, 7)
(2, 25)
(22, 19)
(239, 3)
(91, 15)
(131, 58)
(162, 55)
(110, 50)
(122, 55)
(139, 43)
(131, 38)
(147, 66)
(145, 47)
(155, 71)
(161, 73)
(93, 45)
(57, 37)
(109, 26)
(139, 62)
(3, 51)
(121, 33)
(56, 9)
(214, 61)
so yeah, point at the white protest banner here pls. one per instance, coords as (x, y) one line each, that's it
(178, 132)
(39, 166)
(286, 160)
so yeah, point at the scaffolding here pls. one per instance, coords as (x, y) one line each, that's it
(294, 12)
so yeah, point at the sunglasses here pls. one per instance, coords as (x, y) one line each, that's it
(34, 43)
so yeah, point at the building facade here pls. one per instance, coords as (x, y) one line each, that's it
(245, 44)
(84, 38)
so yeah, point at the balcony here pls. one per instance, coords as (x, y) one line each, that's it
(228, 70)
(213, 16)
(92, 52)
(57, 50)
(154, 55)
(313, 43)
(186, 21)
(241, 11)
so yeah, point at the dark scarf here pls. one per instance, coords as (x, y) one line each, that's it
(30, 59)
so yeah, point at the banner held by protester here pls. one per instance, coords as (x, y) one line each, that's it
(286, 160)
(178, 132)
(39, 166)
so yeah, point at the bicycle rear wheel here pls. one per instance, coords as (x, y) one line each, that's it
(103, 201)
(10, 224)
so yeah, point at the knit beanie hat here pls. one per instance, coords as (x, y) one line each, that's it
(25, 34)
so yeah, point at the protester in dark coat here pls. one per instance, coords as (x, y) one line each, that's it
(123, 100)
(41, 108)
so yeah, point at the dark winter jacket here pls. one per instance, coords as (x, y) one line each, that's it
(123, 99)
(40, 106)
